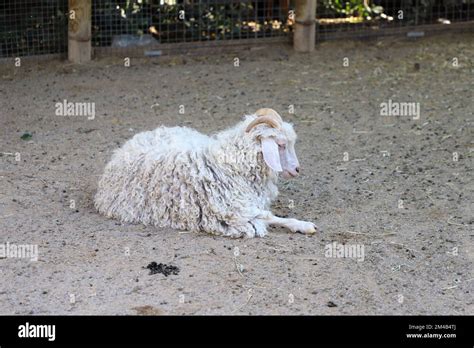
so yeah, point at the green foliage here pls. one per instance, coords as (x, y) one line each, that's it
(350, 8)
(26, 136)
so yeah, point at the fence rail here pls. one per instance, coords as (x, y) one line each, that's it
(38, 27)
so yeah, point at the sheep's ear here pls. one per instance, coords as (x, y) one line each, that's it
(271, 154)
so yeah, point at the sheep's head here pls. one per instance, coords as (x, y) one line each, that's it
(277, 139)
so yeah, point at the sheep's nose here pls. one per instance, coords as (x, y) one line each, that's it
(297, 169)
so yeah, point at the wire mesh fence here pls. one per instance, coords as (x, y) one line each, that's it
(340, 18)
(126, 24)
(33, 27)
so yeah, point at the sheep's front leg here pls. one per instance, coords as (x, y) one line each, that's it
(293, 225)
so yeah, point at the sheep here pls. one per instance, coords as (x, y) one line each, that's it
(222, 184)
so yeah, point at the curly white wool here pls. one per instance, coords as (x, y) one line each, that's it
(177, 177)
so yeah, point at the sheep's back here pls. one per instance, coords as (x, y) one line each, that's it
(152, 179)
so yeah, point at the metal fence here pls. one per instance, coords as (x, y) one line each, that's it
(169, 21)
(34, 27)
(129, 25)
(343, 19)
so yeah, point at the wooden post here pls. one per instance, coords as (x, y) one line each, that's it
(79, 31)
(305, 26)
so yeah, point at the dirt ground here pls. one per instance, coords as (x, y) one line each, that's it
(411, 207)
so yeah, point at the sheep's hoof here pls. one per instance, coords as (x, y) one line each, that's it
(305, 227)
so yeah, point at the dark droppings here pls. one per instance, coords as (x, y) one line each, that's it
(162, 268)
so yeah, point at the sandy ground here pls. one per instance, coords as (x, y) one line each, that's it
(418, 253)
